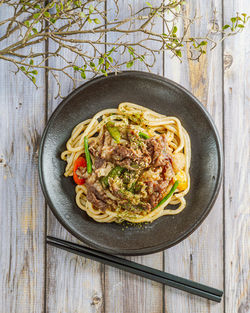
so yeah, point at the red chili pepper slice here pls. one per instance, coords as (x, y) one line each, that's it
(80, 162)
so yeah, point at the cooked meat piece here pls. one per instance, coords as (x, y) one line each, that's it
(97, 203)
(96, 195)
(157, 147)
(168, 172)
(124, 157)
(101, 148)
(156, 191)
(104, 169)
(129, 158)
(99, 162)
(95, 146)
(107, 148)
(120, 153)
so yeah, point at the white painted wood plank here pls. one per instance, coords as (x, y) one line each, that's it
(237, 159)
(22, 213)
(200, 256)
(127, 293)
(74, 284)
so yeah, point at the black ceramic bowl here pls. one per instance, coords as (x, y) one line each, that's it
(163, 96)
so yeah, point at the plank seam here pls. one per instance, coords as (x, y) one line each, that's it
(46, 46)
(103, 267)
(223, 183)
(163, 253)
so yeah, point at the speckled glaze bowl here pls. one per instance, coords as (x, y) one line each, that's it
(163, 96)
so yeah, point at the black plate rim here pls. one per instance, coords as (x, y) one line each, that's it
(162, 246)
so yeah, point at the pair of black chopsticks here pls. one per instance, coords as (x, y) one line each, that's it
(138, 269)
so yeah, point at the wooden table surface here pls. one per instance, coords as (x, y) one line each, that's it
(35, 278)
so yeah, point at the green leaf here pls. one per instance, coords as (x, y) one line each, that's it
(110, 59)
(27, 23)
(174, 30)
(178, 53)
(37, 6)
(89, 20)
(35, 72)
(81, 14)
(33, 79)
(31, 62)
(34, 30)
(47, 14)
(36, 15)
(240, 26)
(92, 64)
(91, 9)
(77, 3)
(131, 50)
(22, 68)
(130, 64)
(203, 43)
(52, 20)
(233, 19)
(107, 64)
(149, 4)
(109, 52)
(76, 68)
(97, 21)
(101, 61)
(225, 26)
(104, 72)
(83, 75)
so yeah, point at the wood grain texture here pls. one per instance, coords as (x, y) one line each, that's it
(200, 256)
(74, 284)
(237, 140)
(127, 293)
(22, 120)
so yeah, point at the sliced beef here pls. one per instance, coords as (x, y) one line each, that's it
(95, 146)
(101, 148)
(125, 157)
(97, 203)
(157, 147)
(99, 162)
(107, 147)
(129, 158)
(95, 193)
(168, 172)
(155, 191)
